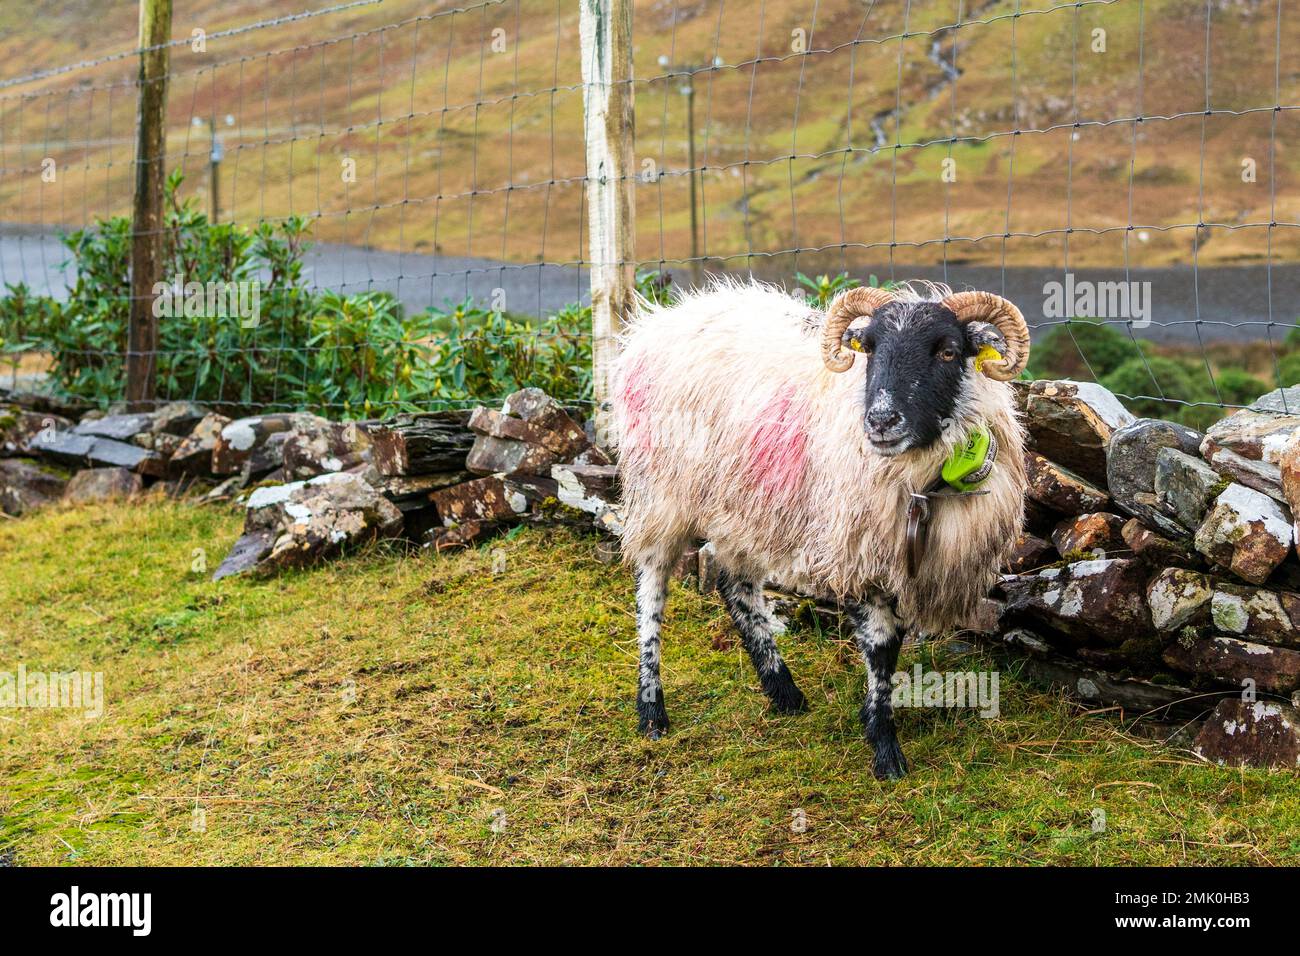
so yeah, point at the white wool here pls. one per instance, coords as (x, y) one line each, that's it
(694, 382)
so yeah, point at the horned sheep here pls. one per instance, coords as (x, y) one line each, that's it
(741, 419)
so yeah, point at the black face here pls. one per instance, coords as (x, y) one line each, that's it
(917, 358)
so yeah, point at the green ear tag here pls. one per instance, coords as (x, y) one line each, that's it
(972, 462)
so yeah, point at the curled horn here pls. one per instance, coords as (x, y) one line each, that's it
(1006, 318)
(848, 306)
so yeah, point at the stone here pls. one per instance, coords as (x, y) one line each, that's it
(1102, 599)
(118, 427)
(81, 451)
(588, 488)
(1072, 422)
(483, 499)
(610, 520)
(1185, 486)
(1246, 532)
(1132, 461)
(1177, 598)
(464, 535)
(708, 568)
(1089, 533)
(508, 456)
(549, 427)
(1041, 665)
(1255, 733)
(423, 444)
(256, 444)
(1029, 553)
(102, 484)
(1257, 433)
(986, 618)
(1289, 469)
(310, 521)
(18, 426)
(1259, 475)
(1269, 617)
(1230, 661)
(1282, 401)
(1060, 489)
(1156, 550)
(26, 486)
(245, 553)
(177, 418)
(194, 454)
(317, 446)
(400, 487)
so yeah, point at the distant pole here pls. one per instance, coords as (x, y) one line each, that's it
(146, 223)
(215, 156)
(605, 28)
(696, 264)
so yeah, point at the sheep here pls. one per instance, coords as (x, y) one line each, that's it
(740, 419)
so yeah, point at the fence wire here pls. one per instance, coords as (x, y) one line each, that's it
(1128, 149)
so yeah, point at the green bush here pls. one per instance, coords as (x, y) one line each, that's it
(1177, 381)
(1288, 369)
(349, 355)
(1239, 387)
(1071, 349)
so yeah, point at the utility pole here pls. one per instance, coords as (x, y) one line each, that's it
(216, 153)
(146, 220)
(688, 91)
(605, 28)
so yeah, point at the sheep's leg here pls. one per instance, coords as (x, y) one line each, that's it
(744, 600)
(879, 633)
(651, 592)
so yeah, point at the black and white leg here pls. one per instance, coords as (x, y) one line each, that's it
(651, 592)
(745, 604)
(879, 634)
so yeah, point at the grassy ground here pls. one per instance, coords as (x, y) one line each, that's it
(389, 709)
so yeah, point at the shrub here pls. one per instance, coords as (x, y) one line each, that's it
(1177, 381)
(1239, 387)
(350, 355)
(1069, 350)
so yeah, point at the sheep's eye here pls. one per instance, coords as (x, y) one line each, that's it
(948, 354)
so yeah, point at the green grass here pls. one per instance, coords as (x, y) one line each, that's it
(381, 709)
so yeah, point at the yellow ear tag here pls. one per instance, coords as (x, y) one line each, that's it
(987, 353)
(856, 344)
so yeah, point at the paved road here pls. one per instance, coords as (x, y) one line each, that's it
(1232, 303)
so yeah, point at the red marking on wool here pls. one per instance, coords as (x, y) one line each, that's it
(778, 448)
(636, 403)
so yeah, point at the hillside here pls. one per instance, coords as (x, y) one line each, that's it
(428, 109)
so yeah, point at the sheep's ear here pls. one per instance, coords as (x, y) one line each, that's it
(855, 339)
(985, 335)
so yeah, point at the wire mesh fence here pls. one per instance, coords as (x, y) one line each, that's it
(407, 188)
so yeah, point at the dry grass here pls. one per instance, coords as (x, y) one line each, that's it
(381, 710)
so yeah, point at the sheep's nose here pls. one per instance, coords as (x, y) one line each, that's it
(883, 419)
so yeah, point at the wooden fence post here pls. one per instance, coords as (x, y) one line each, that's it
(605, 27)
(147, 218)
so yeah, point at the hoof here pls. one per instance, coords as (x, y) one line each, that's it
(788, 700)
(889, 762)
(781, 690)
(652, 718)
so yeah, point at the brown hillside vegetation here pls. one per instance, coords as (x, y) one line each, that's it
(464, 125)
